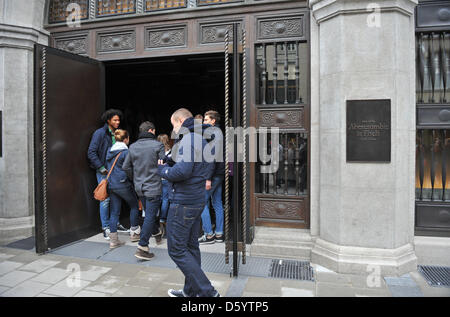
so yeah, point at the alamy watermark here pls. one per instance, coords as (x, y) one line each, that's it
(263, 145)
(374, 18)
(73, 19)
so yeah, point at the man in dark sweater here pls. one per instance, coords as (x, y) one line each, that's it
(141, 165)
(187, 200)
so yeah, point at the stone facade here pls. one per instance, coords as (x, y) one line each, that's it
(21, 26)
(366, 210)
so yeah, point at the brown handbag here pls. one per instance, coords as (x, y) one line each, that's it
(101, 192)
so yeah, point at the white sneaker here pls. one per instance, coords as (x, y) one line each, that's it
(106, 233)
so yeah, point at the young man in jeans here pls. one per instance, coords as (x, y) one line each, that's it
(212, 118)
(187, 200)
(141, 165)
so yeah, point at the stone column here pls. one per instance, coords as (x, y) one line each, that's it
(21, 26)
(366, 210)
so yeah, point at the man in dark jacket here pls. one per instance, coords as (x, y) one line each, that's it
(187, 200)
(141, 165)
(101, 141)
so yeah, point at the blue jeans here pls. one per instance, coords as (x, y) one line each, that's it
(165, 200)
(127, 194)
(215, 193)
(151, 206)
(183, 225)
(104, 205)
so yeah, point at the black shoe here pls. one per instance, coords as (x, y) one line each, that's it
(205, 240)
(174, 293)
(121, 228)
(143, 255)
(219, 238)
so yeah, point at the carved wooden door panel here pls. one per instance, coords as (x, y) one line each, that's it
(281, 195)
(69, 99)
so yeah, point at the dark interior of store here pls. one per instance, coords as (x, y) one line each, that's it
(152, 89)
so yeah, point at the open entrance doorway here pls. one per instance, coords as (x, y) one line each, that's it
(152, 89)
(71, 93)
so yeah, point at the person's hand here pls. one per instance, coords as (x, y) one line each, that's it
(103, 171)
(208, 185)
(161, 162)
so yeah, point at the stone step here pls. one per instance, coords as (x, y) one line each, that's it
(282, 243)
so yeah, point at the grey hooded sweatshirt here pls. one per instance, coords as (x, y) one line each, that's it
(141, 165)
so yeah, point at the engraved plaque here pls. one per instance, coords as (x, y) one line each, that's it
(116, 42)
(215, 33)
(369, 130)
(281, 28)
(75, 45)
(281, 118)
(166, 37)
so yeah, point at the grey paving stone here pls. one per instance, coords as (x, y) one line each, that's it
(367, 292)
(67, 288)
(126, 270)
(334, 290)
(46, 295)
(14, 278)
(25, 257)
(26, 289)
(146, 279)
(39, 266)
(263, 285)
(237, 287)
(52, 276)
(405, 280)
(85, 293)
(296, 292)
(92, 272)
(132, 291)
(405, 291)
(255, 294)
(84, 249)
(108, 284)
(5, 256)
(8, 266)
(161, 291)
(3, 289)
(333, 278)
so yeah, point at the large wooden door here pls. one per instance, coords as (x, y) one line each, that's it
(69, 98)
(281, 84)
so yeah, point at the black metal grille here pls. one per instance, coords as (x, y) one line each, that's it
(293, 270)
(436, 275)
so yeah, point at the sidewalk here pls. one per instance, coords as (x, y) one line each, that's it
(118, 273)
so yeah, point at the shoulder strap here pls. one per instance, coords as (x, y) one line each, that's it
(114, 164)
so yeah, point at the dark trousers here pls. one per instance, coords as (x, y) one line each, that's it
(151, 206)
(183, 226)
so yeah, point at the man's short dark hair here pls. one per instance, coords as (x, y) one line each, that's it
(145, 126)
(108, 114)
(213, 115)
